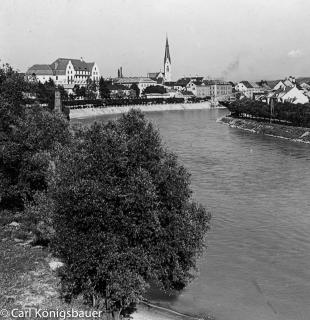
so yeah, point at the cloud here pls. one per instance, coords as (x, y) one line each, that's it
(295, 53)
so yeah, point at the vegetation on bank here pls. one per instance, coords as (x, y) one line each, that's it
(279, 130)
(293, 114)
(104, 103)
(110, 200)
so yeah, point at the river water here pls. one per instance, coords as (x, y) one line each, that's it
(257, 265)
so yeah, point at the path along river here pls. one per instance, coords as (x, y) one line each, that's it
(257, 265)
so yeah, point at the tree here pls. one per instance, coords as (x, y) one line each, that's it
(135, 88)
(124, 215)
(25, 154)
(79, 91)
(91, 89)
(154, 89)
(103, 89)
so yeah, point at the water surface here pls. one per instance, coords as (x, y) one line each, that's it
(257, 265)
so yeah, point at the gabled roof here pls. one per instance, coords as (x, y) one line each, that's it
(246, 84)
(59, 66)
(272, 83)
(40, 69)
(90, 65)
(255, 85)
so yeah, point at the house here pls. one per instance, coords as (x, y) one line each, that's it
(156, 76)
(141, 82)
(219, 88)
(288, 94)
(64, 71)
(119, 91)
(192, 86)
(293, 95)
(203, 91)
(249, 88)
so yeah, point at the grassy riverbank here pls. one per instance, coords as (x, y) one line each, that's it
(28, 281)
(297, 134)
(92, 112)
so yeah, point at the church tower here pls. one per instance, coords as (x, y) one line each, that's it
(167, 62)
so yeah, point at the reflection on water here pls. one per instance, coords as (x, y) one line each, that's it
(257, 265)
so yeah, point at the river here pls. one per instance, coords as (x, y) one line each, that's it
(257, 265)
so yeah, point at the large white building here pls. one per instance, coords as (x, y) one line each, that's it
(64, 71)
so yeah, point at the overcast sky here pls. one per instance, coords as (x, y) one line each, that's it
(238, 39)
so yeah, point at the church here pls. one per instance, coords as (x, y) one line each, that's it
(166, 76)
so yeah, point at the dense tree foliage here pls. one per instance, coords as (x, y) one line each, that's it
(27, 135)
(45, 92)
(103, 88)
(124, 214)
(136, 89)
(154, 89)
(295, 114)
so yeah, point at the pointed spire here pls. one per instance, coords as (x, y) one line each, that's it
(167, 53)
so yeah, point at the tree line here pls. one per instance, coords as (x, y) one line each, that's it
(294, 114)
(110, 200)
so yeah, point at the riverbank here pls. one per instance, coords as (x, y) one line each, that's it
(29, 279)
(296, 134)
(93, 112)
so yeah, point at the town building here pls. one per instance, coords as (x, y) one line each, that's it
(249, 89)
(159, 77)
(120, 91)
(65, 72)
(141, 82)
(288, 94)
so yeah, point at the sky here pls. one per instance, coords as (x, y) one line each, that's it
(234, 39)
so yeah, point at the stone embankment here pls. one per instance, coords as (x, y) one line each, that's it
(93, 112)
(297, 134)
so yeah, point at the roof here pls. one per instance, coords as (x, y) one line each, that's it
(90, 65)
(59, 66)
(272, 83)
(154, 75)
(255, 85)
(303, 79)
(246, 84)
(40, 69)
(135, 80)
(217, 82)
(183, 82)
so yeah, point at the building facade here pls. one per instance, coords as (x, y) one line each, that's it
(141, 82)
(64, 71)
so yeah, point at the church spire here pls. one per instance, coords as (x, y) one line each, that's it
(167, 62)
(167, 53)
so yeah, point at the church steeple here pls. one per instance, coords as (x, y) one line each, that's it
(167, 53)
(167, 62)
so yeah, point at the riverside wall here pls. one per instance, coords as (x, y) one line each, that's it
(93, 112)
(296, 134)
